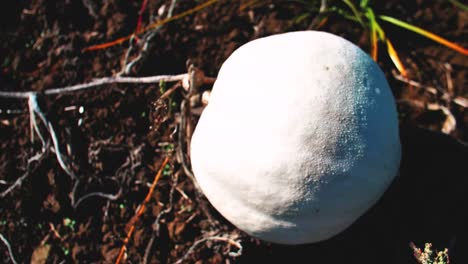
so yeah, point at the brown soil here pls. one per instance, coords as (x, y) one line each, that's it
(119, 139)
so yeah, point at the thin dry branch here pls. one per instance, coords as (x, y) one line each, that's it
(19, 181)
(96, 83)
(184, 125)
(430, 89)
(231, 241)
(10, 251)
(461, 101)
(35, 109)
(108, 196)
(116, 79)
(450, 123)
(127, 66)
(156, 223)
(184, 135)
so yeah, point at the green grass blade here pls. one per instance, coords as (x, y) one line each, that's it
(396, 59)
(356, 13)
(459, 5)
(364, 3)
(425, 33)
(373, 33)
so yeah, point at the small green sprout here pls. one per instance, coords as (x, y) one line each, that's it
(167, 170)
(70, 223)
(162, 86)
(173, 106)
(459, 5)
(169, 148)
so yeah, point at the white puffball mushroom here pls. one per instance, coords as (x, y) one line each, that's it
(299, 139)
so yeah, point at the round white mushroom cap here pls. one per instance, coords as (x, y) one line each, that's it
(299, 139)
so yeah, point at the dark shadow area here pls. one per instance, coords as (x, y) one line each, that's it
(427, 202)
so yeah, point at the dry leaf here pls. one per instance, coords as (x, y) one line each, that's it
(450, 123)
(40, 254)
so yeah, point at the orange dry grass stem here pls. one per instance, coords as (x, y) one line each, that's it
(151, 26)
(396, 59)
(426, 34)
(249, 3)
(374, 44)
(140, 211)
(322, 23)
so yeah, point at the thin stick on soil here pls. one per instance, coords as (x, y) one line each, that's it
(34, 108)
(104, 81)
(98, 82)
(228, 240)
(108, 196)
(164, 212)
(127, 66)
(140, 211)
(19, 181)
(10, 252)
(459, 100)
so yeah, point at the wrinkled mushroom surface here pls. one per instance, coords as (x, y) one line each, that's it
(299, 139)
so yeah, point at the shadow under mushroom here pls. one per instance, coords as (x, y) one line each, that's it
(427, 202)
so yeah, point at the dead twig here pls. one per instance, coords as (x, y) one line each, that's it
(148, 249)
(92, 8)
(320, 18)
(96, 83)
(230, 240)
(461, 101)
(184, 125)
(448, 76)
(54, 231)
(58, 154)
(450, 123)
(127, 66)
(34, 109)
(430, 89)
(183, 194)
(184, 135)
(156, 223)
(169, 91)
(10, 251)
(38, 157)
(109, 196)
